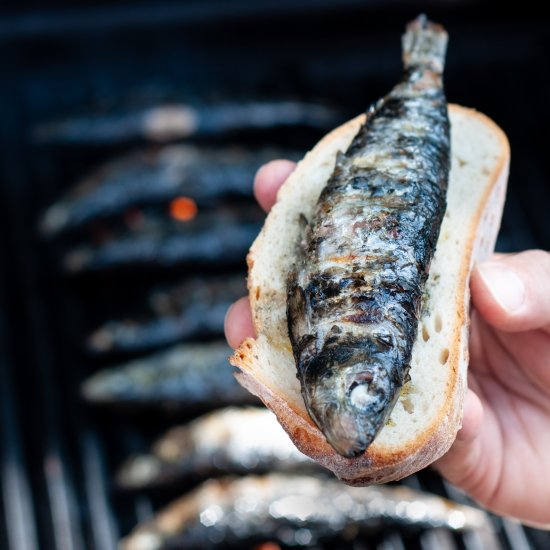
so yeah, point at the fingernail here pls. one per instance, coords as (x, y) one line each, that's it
(504, 284)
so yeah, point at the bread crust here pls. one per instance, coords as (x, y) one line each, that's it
(383, 463)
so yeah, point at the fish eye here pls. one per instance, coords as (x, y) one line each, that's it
(361, 397)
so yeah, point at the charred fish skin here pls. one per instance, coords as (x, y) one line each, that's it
(355, 295)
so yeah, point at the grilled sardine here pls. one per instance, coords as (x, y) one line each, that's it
(193, 308)
(169, 122)
(245, 512)
(215, 237)
(188, 378)
(355, 296)
(230, 441)
(207, 176)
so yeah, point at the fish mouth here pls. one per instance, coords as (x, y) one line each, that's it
(346, 433)
(351, 421)
(348, 448)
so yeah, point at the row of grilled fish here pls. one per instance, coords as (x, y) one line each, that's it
(177, 205)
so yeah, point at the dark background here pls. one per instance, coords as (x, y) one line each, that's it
(57, 60)
(99, 57)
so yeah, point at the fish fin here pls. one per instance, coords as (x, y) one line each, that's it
(341, 159)
(405, 377)
(424, 45)
(305, 231)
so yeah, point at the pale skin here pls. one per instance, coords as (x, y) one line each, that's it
(501, 456)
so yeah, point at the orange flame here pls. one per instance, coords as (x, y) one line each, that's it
(183, 209)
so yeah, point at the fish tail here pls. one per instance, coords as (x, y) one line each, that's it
(424, 45)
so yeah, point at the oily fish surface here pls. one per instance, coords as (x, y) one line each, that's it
(436, 355)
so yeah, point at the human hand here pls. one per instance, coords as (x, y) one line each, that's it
(502, 453)
(501, 456)
(238, 320)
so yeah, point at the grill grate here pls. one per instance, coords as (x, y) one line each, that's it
(58, 457)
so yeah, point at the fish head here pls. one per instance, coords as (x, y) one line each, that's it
(351, 404)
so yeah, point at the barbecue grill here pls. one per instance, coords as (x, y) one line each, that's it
(57, 455)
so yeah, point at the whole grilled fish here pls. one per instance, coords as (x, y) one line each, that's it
(230, 441)
(187, 377)
(193, 308)
(355, 297)
(207, 176)
(180, 121)
(293, 511)
(215, 237)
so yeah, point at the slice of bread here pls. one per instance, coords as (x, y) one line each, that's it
(428, 414)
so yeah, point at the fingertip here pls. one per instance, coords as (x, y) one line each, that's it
(472, 418)
(269, 179)
(238, 322)
(510, 291)
(497, 292)
(463, 456)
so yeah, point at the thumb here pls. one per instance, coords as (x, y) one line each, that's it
(512, 291)
(463, 459)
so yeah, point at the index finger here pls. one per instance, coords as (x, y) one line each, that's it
(269, 179)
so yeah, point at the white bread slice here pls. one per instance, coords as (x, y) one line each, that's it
(428, 414)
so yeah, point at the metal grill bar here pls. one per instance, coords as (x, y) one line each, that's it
(516, 535)
(103, 528)
(17, 504)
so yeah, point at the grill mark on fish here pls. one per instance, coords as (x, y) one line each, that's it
(365, 256)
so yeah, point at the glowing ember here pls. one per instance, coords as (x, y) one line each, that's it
(183, 209)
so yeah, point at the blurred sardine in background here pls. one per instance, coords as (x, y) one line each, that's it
(130, 136)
